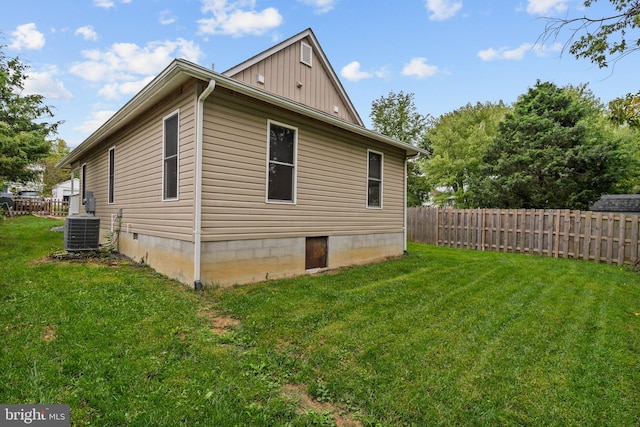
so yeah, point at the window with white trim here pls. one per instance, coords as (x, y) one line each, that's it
(170, 156)
(112, 174)
(83, 182)
(374, 179)
(281, 165)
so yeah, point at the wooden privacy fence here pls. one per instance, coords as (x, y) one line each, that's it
(28, 206)
(562, 233)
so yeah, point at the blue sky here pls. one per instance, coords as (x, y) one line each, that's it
(89, 57)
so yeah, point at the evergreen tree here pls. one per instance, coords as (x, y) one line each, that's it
(555, 150)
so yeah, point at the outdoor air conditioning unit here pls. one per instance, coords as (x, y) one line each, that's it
(81, 233)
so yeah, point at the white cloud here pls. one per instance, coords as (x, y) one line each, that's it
(115, 90)
(107, 4)
(237, 18)
(418, 67)
(166, 17)
(94, 121)
(518, 53)
(87, 33)
(103, 3)
(492, 54)
(382, 73)
(27, 36)
(352, 72)
(129, 58)
(124, 68)
(44, 83)
(545, 7)
(443, 9)
(321, 6)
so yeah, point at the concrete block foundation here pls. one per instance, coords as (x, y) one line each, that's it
(227, 263)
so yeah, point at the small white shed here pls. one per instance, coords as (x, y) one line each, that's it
(65, 190)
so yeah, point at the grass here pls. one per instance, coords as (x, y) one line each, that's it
(438, 337)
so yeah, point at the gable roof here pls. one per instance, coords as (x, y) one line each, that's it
(178, 73)
(311, 38)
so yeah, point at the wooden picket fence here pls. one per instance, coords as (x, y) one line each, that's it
(602, 237)
(28, 206)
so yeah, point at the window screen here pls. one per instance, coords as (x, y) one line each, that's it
(374, 182)
(83, 182)
(282, 169)
(112, 174)
(171, 157)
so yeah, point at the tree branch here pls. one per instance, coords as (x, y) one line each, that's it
(590, 37)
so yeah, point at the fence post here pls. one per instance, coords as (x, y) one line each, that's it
(576, 233)
(555, 235)
(598, 239)
(482, 229)
(565, 232)
(633, 255)
(622, 228)
(437, 227)
(588, 222)
(609, 238)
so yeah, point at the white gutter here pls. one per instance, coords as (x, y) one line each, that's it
(197, 216)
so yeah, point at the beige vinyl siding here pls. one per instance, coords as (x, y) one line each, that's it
(283, 70)
(138, 172)
(331, 177)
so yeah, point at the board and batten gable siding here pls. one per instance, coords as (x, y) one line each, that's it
(282, 72)
(331, 177)
(138, 171)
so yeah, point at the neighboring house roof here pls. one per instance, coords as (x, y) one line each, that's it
(319, 54)
(623, 203)
(180, 71)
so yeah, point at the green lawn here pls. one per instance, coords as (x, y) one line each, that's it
(439, 337)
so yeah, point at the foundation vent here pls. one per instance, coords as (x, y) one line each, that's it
(306, 54)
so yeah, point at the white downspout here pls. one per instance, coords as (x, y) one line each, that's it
(197, 217)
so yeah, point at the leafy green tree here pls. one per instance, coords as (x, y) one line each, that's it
(555, 150)
(458, 141)
(629, 180)
(396, 116)
(53, 175)
(23, 124)
(418, 187)
(602, 38)
(626, 110)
